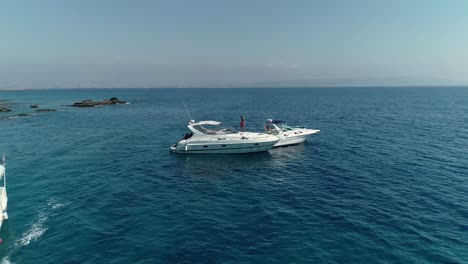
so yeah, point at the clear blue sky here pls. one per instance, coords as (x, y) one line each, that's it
(156, 43)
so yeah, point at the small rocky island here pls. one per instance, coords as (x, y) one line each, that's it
(91, 103)
(45, 110)
(3, 106)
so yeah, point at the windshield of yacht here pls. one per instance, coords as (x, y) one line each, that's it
(214, 130)
(285, 127)
(273, 125)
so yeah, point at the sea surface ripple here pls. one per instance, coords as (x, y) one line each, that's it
(385, 181)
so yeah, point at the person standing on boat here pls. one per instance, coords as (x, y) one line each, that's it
(242, 124)
(267, 126)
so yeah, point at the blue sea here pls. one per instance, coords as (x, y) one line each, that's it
(385, 181)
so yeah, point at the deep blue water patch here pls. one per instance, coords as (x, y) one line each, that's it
(385, 181)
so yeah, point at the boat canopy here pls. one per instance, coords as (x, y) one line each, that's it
(198, 128)
(209, 122)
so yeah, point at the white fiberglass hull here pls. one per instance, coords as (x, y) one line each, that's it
(294, 137)
(228, 144)
(3, 205)
(3, 197)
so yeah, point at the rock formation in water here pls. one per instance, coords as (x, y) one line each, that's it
(45, 110)
(4, 109)
(91, 103)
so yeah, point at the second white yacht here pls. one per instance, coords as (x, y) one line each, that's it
(288, 135)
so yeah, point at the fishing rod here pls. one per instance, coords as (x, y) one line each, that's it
(187, 111)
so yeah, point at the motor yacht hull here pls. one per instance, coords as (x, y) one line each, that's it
(225, 145)
(294, 137)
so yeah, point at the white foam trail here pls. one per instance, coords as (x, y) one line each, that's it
(6, 260)
(35, 232)
(55, 204)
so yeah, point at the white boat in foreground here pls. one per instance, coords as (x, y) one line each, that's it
(208, 137)
(3, 194)
(288, 135)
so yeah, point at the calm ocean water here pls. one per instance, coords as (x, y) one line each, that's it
(385, 181)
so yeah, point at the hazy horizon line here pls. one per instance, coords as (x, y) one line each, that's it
(240, 87)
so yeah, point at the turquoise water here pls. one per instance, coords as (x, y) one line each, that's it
(385, 181)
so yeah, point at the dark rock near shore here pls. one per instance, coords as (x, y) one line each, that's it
(34, 106)
(16, 116)
(4, 109)
(91, 103)
(45, 110)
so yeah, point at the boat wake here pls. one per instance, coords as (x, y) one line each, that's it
(6, 260)
(35, 232)
(54, 203)
(37, 229)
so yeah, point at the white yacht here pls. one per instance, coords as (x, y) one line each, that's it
(3, 193)
(288, 135)
(208, 137)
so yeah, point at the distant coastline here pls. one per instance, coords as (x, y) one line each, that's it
(338, 82)
(242, 87)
